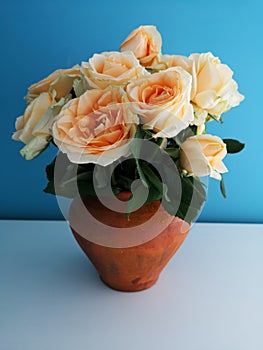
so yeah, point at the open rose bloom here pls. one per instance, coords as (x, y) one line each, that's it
(94, 113)
(95, 128)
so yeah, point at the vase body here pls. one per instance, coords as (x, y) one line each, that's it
(134, 264)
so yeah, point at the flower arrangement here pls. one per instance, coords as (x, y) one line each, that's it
(96, 113)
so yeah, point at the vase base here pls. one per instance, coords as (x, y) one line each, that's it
(128, 267)
(135, 286)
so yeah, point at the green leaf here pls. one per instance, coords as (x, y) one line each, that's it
(223, 188)
(135, 199)
(71, 179)
(173, 152)
(135, 148)
(148, 134)
(151, 177)
(50, 170)
(217, 119)
(189, 210)
(183, 135)
(141, 173)
(233, 146)
(140, 133)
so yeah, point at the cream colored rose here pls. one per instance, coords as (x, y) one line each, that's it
(202, 155)
(95, 128)
(112, 68)
(145, 42)
(177, 61)
(214, 91)
(163, 101)
(44, 100)
(187, 64)
(27, 129)
(60, 81)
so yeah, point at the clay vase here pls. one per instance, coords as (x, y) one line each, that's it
(132, 258)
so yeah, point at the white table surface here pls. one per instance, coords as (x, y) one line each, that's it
(209, 297)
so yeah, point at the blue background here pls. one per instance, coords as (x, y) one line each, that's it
(38, 37)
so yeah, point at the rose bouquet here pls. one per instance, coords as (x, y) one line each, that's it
(133, 120)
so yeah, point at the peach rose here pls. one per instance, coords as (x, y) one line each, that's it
(27, 126)
(163, 101)
(177, 61)
(202, 155)
(95, 128)
(60, 81)
(214, 91)
(111, 68)
(187, 64)
(145, 42)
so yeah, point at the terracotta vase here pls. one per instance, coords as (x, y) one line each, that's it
(131, 259)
